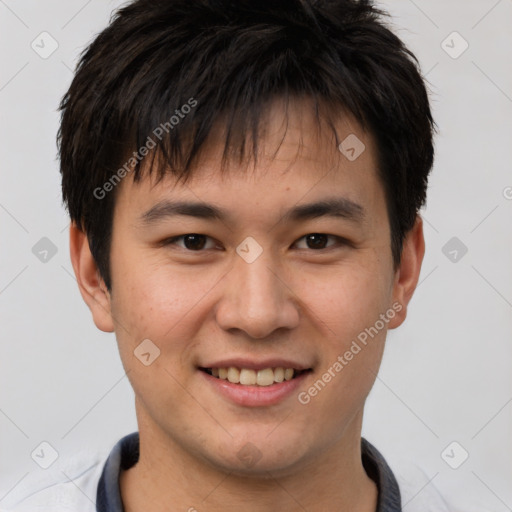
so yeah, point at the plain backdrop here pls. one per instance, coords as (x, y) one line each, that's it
(447, 372)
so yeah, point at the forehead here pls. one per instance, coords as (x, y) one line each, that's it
(299, 158)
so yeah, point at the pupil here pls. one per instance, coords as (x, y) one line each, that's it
(194, 241)
(316, 241)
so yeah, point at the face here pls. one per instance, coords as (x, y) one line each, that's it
(288, 270)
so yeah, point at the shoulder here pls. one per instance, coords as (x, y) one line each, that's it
(402, 484)
(68, 486)
(418, 489)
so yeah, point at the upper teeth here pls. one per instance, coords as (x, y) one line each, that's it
(248, 377)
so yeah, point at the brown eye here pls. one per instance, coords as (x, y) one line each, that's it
(316, 240)
(190, 241)
(319, 241)
(194, 242)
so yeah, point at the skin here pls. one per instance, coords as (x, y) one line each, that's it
(294, 301)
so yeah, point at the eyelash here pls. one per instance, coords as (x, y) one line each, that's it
(340, 241)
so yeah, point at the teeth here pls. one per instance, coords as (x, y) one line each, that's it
(279, 374)
(248, 377)
(265, 377)
(234, 375)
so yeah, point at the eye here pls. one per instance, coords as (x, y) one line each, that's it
(191, 241)
(318, 241)
(197, 242)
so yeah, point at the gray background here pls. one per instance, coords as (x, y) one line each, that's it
(447, 371)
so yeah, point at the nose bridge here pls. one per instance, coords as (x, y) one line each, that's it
(256, 300)
(259, 286)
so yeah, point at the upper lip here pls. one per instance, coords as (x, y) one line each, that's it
(253, 364)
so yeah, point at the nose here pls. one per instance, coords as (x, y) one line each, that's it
(256, 298)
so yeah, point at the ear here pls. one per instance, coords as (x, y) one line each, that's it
(91, 285)
(407, 275)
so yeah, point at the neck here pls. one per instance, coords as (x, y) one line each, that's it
(167, 477)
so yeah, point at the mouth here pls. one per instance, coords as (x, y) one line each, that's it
(251, 377)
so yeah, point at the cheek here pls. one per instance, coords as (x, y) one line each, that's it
(150, 297)
(160, 302)
(348, 309)
(350, 300)
(352, 345)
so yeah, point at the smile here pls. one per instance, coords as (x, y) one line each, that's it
(251, 377)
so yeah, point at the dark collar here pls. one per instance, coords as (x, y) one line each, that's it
(125, 454)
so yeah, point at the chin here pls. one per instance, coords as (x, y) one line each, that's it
(259, 458)
(263, 467)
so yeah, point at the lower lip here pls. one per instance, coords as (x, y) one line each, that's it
(255, 396)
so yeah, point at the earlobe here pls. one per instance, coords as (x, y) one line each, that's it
(91, 285)
(407, 275)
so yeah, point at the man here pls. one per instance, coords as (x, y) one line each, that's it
(244, 180)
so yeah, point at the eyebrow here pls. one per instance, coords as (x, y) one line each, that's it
(338, 207)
